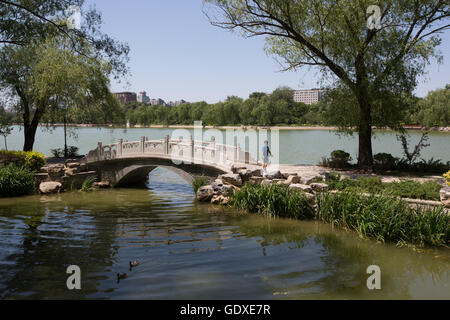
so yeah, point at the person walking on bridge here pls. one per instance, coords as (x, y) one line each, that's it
(266, 154)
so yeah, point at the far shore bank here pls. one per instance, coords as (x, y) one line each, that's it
(281, 128)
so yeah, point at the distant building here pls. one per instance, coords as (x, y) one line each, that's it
(309, 96)
(176, 103)
(143, 98)
(125, 97)
(157, 102)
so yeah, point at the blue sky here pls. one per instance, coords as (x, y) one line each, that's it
(176, 54)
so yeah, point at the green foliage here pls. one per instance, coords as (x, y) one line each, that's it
(16, 181)
(32, 160)
(273, 200)
(87, 184)
(72, 152)
(385, 219)
(199, 182)
(434, 109)
(259, 109)
(49, 79)
(339, 160)
(384, 162)
(375, 76)
(5, 125)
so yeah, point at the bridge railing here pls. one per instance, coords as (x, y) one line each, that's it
(186, 150)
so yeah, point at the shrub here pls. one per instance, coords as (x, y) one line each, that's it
(447, 177)
(273, 200)
(34, 160)
(385, 218)
(31, 160)
(16, 181)
(384, 162)
(199, 182)
(339, 160)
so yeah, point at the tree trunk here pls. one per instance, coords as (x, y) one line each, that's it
(365, 157)
(30, 133)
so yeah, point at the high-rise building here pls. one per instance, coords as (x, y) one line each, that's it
(309, 96)
(157, 102)
(125, 97)
(142, 97)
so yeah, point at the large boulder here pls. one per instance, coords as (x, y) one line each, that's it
(220, 199)
(72, 165)
(319, 187)
(232, 178)
(236, 170)
(221, 189)
(205, 193)
(55, 171)
(307, 180)
(257, 173)
(301, 187)
(50, 187)
(245, 174)
(276, 174)
(292, 179)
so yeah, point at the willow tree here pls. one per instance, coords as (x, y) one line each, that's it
(25, 29)
(50, 78)
(375, 52)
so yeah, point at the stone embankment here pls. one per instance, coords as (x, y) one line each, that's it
(220, 191)
(222, 188)
(63, 176)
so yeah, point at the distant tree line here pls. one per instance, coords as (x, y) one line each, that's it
(260, 109)
(279, 108)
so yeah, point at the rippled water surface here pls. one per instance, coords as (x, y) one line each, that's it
(192, 251)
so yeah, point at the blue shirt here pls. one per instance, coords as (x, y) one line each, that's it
(266, 151)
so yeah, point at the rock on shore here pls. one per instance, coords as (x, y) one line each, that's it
(50, 187)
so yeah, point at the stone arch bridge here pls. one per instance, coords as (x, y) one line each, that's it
(128, 163)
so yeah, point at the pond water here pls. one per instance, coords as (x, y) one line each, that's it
(294, 147)
(192, 251)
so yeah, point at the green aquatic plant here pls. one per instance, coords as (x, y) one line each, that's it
(199, 182)
(273, 200)
(88, 184)
(385, 219)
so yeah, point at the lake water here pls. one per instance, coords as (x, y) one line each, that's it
(192, 251)
(295, 147)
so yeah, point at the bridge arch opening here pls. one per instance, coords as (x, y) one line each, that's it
(139, 175)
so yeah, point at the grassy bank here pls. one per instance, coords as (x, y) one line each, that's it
(405, 188)
(383, 218)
